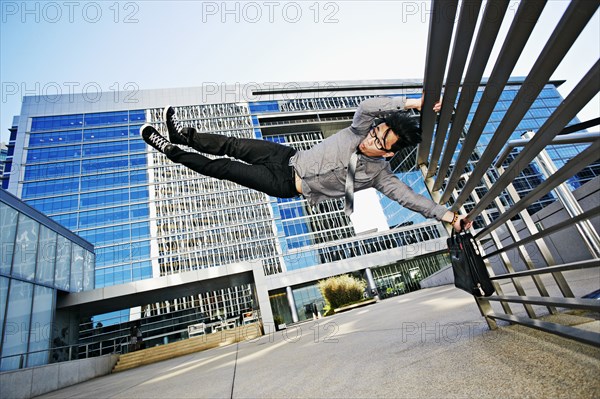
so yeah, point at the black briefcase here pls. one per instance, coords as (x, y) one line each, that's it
(470, 272)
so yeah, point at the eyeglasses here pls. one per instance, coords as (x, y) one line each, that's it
(379, 143)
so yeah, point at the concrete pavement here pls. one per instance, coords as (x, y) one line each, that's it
(431, 343)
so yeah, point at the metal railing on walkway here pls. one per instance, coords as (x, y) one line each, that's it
(451, 180)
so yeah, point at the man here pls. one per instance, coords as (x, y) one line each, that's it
(351, 160)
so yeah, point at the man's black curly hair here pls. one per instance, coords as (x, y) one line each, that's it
(405, 127)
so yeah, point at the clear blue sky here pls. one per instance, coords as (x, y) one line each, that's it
(48, 47)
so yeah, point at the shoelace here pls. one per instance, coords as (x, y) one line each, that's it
(159, 141)
(176, 123)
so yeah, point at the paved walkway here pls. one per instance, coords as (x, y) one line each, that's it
(428, 344)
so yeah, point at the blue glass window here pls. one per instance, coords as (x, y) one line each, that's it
(104, 198)
(99, 277)
(56, 204)
(50, 170)
(45, 188)
(41, 319)
(263, 106)
(55, 138)
(106, 118)
(140, 230)
(62, 271)
(140, 211)
(141, 270)
(18, 313)
(107, 235)
(109, 133)
(68, 220)
(46, 256)
(103, 216)
(137, 161)
(104, 164)
(508, 95)
(137, 116)
(139, 194)
(140, 250)
(56, 122)
(113, 255)
(8, 220)
(116, 147)
(54, 154)
(137, 146)
(138, 177)
(96, 182)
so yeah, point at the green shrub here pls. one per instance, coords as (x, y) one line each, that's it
(342, 290)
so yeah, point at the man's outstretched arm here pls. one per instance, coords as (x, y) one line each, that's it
(417, 103)
(392, 187)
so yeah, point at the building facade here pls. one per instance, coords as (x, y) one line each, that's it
(84, 165)
(3, 156)
(38, 258)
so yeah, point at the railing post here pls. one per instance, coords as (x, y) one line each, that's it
(505, 260)
(540, 243)
(565, 196)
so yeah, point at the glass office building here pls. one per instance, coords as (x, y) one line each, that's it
(88, 172)
(540, 110)
(38, 258)
(85, 165)
(3, 156)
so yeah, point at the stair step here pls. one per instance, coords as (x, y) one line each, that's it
(187, 346)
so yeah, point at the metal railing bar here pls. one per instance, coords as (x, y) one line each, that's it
(568, 29)
(574, 138)
(573, 303)
(518, 34)
(585, 264)
(580, 126)
(462, 43)
(440, 34)
(588, 337)
(508, 267)
(40, 351)
(585, 90)
(552, 229)
(574, 165)
(524, 253)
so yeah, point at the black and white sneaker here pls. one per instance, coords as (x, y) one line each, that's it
(154, 139)
(177, 134)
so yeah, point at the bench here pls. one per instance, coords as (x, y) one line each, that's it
(196, 329)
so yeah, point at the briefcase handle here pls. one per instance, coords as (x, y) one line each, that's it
(462, 228)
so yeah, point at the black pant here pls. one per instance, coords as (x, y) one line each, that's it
(267, 168)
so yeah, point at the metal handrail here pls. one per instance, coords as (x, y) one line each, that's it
(444, 186)
(573, 138)
(581, 160)
(567, 223)
(569, 27)
(23, 356)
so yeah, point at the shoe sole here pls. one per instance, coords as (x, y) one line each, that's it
(176, 137)
(165, 112)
